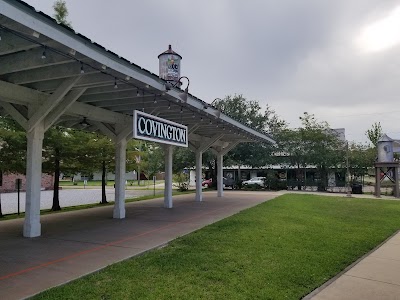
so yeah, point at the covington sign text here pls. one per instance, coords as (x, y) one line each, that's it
(151, 128)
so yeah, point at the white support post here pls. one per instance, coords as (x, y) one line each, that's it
(32, 227)
(199, 175)
(120, 166)
(220, 180)
(168, 177)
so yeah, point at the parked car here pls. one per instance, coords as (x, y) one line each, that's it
(255, 181)
(207, 182)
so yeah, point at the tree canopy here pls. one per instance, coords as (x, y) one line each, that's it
(61, 12)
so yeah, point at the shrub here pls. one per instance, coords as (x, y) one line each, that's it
(181, 181)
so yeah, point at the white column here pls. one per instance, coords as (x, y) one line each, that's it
(32, 226)
(220, 180)
(199, 175)
(168, 177)
(120, 166)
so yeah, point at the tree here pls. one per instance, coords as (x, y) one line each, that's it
(250, 113)
(61, 12)
(361, 158)
(93, 153)
(12, 148)
(322, 147)
(58, 152)
(292, 151)
(374, 133)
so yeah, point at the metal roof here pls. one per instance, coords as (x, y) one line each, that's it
(38, 55)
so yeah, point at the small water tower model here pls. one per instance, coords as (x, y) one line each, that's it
(386, 167)
(385, 149)
(170, 66)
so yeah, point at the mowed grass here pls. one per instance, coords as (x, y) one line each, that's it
(281, 249)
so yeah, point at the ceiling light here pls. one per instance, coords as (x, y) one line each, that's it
(44, 53)
(82, 70)
(104, 67)
(169, 105)
(115, 83)
(155, 99)
(84, 123)
(137, 94)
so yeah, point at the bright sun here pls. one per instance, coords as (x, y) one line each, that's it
(382, 34)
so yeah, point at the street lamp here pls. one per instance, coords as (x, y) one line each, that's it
(184, 95)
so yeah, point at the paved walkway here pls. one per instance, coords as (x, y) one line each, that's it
(376, 276)
(80, 242)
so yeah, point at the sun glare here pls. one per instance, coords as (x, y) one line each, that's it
(382, 34)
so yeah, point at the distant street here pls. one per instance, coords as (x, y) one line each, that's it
(68, 197)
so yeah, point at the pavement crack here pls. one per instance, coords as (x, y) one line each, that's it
(369, 279)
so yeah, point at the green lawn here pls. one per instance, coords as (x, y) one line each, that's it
(281, 249)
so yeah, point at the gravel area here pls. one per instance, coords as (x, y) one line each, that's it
(70, 197)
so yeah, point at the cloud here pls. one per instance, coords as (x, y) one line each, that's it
(294, 55)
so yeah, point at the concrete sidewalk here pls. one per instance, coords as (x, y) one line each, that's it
(80, 242)
(376, 276)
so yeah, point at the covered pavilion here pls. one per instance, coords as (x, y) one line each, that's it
(49, 74)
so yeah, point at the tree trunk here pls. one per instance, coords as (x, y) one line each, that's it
(56, 193)
(214, 175)
(324, 180)
(1, 213)
(298, 177)
(103, 184)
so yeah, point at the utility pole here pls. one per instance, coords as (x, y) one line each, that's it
(348, 194)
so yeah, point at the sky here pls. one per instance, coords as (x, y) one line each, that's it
(338, 60)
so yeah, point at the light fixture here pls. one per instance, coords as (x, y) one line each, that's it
(72, 52)
(143, 103)
(147, 86)
(223, 128)
(201, 119)
(217, 125)
(181, 110)
(104, 67)
(84, 123)
(127, 78)
(82, 70)
(44, 53)
(184, 95)
(138, 94)
(193, 115)
(210, 122)
(155, 99)
(36, 34)
(115, 83)
(169, 105)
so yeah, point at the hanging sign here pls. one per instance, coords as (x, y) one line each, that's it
(151, 128)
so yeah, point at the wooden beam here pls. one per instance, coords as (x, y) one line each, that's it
(53, 100)
(58, 111)
(15, 114)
